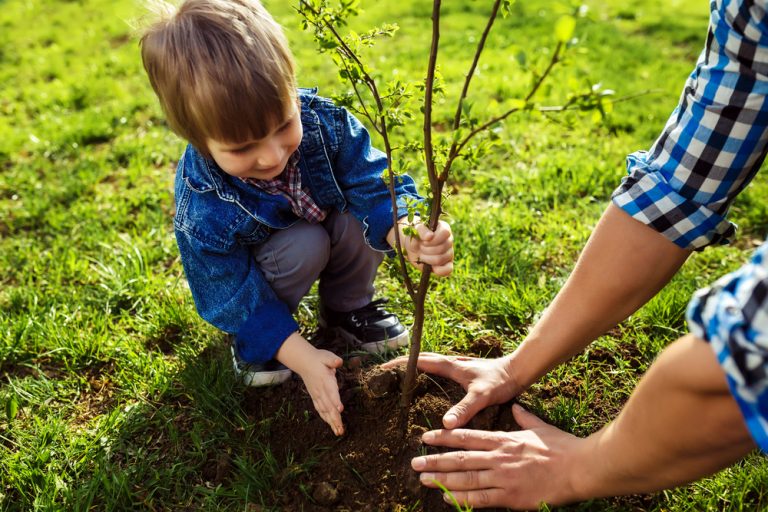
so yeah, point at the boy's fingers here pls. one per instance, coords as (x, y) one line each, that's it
(332, 417)
(425, 234)
(441, 236)
(443, 270)
(437, 260)
(330, 359)
(436, 250)
(335, 423)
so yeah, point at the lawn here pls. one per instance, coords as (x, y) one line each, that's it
(116, 395)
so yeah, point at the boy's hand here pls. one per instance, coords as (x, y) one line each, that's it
(317, 368)
(430, 247)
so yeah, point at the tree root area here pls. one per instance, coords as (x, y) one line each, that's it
(369, 467)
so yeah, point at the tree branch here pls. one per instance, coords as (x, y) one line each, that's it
(475, 60)
(457, 148)
(382, 129)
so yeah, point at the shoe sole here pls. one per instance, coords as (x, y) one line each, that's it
(259, 379)
(373, 347)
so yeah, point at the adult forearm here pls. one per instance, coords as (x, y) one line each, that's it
(680, 424)
(623, 265)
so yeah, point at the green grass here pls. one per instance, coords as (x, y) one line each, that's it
(125, 398)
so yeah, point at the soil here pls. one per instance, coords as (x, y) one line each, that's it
(367, 469)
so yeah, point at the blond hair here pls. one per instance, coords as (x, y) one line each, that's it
(221, 69)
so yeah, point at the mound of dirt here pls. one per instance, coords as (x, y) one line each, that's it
(367, 469)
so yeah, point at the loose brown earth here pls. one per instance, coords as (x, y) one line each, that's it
(367, 469)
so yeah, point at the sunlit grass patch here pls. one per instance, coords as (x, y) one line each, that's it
(116, 395)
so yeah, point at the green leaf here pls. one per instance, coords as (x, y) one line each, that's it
(11, 408)
(522, 58)
(564, 28)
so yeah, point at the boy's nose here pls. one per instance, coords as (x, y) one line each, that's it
(269, 156)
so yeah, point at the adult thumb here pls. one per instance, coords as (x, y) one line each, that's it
(460, 414)
(525, 419)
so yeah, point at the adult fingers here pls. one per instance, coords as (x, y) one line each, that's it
(394, 363)
(461, 480)
(466, 409)
(457, 461)
(479, 498)
(429, 362)
(463, 438)
(527, 420)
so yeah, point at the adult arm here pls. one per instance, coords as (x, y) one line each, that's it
(681, 423)
(623, 265)
(700, 407)
(680, 190)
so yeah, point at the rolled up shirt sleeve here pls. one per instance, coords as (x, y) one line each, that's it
(732, 315)
(715, 140)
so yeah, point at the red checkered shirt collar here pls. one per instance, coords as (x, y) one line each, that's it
(288, 185)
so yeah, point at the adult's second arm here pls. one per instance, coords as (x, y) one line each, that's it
(623, 265)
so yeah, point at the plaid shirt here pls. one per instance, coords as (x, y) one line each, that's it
(710, 149)
(288, 185)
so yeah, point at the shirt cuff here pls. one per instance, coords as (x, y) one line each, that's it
(264, 332)
(732, 315)
(647, 196)
(379, 221)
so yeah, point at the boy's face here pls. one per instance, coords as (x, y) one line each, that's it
(262, 159)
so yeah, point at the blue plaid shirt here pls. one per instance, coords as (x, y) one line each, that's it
(711, 147)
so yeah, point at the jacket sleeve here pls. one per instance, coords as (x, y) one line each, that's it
(359, 170)
(231, 293)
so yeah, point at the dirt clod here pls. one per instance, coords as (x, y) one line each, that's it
(381, 382)
(325, 493)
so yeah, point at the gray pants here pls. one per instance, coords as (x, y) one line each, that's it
(333, 251)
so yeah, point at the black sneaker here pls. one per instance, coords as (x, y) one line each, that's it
(371, 327)
(270, 373)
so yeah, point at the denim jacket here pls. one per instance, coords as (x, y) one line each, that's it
(219, 219)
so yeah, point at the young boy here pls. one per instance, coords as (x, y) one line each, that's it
(277, 188)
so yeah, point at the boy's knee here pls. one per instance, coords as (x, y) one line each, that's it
(306, 251)
(314, 247)
(346, 230)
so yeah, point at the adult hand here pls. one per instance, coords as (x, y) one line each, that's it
(433, 248)
(517, 470)
(486, 381)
